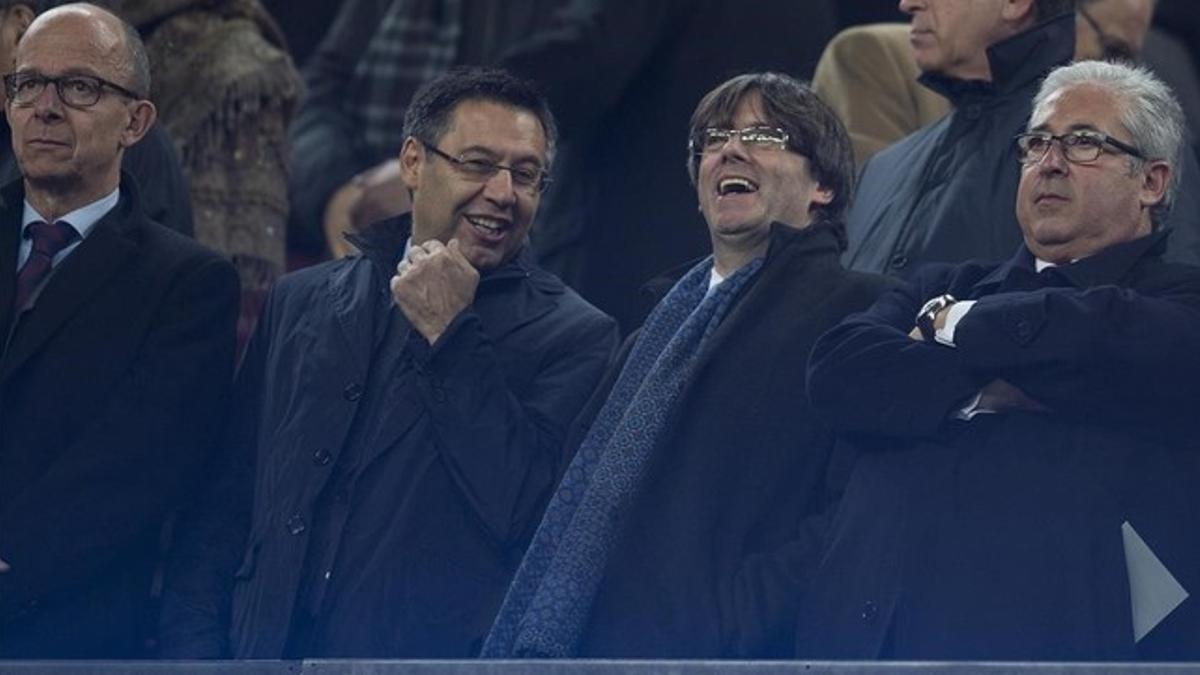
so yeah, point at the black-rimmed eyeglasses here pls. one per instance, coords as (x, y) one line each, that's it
(529, 178)
(1078, 147)
(77, 91)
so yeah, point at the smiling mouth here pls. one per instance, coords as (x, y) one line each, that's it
(735, 185)
(492, 227)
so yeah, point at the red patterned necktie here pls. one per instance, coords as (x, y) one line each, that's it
(48, 240)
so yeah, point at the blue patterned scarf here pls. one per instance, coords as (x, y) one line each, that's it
(549, 603)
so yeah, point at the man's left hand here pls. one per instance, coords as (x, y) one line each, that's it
(433, 284)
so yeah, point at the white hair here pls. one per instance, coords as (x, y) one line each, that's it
(1149, 111)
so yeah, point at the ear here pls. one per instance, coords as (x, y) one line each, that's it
(1020, 12)
(142, 115)
(412, 158)
(1156, 176)
(822, 195)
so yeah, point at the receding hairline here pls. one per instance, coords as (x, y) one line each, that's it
(115, 33)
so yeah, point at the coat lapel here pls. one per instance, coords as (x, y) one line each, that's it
(75, 283)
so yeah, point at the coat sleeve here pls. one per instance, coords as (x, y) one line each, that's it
(155, 432)
(609, 39)
(867, 376)
(210, 538)
(503, 447)
(1103, 353)
(326, 140)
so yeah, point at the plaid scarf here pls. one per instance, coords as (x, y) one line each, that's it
(417, 40)
(550, 600)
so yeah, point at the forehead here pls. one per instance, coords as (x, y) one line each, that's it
(1084, 106)
(497, 127)
(71, 43)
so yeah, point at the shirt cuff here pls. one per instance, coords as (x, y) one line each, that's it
(945, 334)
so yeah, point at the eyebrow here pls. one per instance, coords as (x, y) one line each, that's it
(70, 72)
(524, 159)
(1078, 126)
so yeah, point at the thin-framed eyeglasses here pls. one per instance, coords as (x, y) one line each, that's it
(1078, 147)
(77, 91)
(1111, 49)
(529, 178)
(715, 138)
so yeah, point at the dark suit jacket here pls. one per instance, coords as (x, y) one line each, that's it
(1001, 537)
(110, 389)
(726, 523)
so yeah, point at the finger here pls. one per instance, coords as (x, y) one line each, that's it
(4, 566)
(455, 250)
(433, 246)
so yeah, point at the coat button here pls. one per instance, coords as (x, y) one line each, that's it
(439, 395)
(296, 525)
(898, 261)
(1024, 330)
(353, 391)
(322, 457)
(870, 611)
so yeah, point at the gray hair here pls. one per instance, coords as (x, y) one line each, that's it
(1149, 111)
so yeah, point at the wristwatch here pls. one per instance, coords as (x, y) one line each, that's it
(928, 313)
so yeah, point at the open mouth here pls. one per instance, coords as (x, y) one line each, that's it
(735, 185)
(492, 227)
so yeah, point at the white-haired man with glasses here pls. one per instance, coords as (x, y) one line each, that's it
(1028, 486)
(401, 412)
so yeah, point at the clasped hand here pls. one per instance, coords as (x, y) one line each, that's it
(433, 284)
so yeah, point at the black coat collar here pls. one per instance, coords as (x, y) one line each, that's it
(1106, 267)
(820, 237)
(1015, 62)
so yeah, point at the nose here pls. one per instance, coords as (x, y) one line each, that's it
(908, 6)
(1054, 161)
(48, 104)
(499, 189)
(733, 148)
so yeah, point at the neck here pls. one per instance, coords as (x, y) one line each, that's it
(52, 201)
(727, 260)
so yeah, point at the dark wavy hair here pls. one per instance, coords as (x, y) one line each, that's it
(813, 129)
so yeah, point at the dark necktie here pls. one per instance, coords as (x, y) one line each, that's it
(48, 240)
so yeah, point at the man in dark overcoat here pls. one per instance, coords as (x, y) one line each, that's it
(703, 425)
(401, 413)
(1030, 489)
(116, 349)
